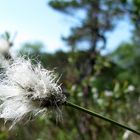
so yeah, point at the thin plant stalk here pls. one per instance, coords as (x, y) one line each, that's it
(100, 116)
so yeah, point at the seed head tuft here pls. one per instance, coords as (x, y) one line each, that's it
(26, 88)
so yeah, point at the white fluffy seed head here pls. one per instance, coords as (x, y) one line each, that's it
(4, 46)
(4, 53)
(27, 88)
(3, 62)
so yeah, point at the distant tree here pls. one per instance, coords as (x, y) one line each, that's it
(96, 18)
(32, 48)
(131, 9)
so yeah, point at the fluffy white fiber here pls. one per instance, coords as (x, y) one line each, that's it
(4, 46)
(3, 62)
(27, 88)
(4, 50)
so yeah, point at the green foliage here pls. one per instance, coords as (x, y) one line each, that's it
(101, 89)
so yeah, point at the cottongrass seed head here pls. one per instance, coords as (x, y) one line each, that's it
(26, 88)
(4, 46)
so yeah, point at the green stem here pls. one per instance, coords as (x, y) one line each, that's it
(101, 117)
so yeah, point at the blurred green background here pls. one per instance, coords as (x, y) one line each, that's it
(106, 83)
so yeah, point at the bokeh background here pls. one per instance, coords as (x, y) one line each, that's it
(95, 46)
